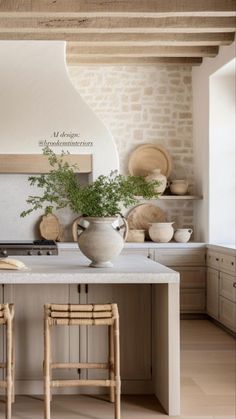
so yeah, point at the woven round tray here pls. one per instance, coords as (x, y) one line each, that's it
(140, 216)
(148, 157)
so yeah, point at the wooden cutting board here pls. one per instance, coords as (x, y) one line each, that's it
(140, 216)
(49, 227)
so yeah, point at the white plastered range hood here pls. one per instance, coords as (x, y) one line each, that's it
(39, 106)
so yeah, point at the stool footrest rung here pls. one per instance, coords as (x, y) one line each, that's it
(79, 365)
(81, 322)
(79, 383)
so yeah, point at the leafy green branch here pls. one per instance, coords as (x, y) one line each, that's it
(105, 197)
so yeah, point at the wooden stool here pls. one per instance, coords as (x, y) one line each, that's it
(95, 315)
(6, 318)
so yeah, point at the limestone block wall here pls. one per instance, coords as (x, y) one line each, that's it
(145, 104)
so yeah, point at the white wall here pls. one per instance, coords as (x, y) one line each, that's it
(222, 155)
(38, 103)
(201, 81)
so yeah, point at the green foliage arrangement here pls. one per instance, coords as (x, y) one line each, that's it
(105, 197)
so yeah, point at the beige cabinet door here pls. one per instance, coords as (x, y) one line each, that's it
(228, 286)
(134, 303)
(228, 313)
(213, 293)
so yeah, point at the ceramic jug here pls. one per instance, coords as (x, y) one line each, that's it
(157, 175)
(182, 235)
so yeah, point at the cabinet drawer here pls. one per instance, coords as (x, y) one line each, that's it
(228, 313)
(192, 301)
(213, 260)
(228, 263)
(191, 277)
(227, 288)
(181, 257)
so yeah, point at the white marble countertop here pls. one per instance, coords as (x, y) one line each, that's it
(225, 248)
(72, 267)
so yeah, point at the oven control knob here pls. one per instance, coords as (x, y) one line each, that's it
(40, 252)
(49, 252)
(30, 252)
(4, 252)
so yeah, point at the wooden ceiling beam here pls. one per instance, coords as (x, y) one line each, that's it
(123, 7)
(109, 24)
(146, 51)
(76, 60)
(128, 39)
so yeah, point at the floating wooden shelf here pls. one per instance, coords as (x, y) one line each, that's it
(171, 198)
(38, 163)
(181, 197)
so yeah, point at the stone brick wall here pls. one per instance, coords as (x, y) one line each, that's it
(145, 104)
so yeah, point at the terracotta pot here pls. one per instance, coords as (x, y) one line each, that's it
(101, 241)
(157, 175)
(161, 232)
(182, 235)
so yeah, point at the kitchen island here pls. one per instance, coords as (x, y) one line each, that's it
(133, 279)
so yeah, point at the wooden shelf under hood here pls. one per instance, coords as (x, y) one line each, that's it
(38, 163)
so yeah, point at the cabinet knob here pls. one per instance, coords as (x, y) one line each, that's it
(234, 284)
(217, 259)
(232, 263)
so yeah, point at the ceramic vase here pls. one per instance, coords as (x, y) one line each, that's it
(161, 232)
(101, 241)
(157, 175)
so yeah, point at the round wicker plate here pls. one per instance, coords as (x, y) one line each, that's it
(148, 157)
(140, 216)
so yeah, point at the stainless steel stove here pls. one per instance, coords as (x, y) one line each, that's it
(28, 248)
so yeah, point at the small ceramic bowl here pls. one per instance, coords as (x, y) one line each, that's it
(179, 187)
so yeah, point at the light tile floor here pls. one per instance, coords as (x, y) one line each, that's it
(208, 384)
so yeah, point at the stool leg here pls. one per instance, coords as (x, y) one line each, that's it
(117, 368)
(111, 362)
(9, 367)
(13, 363)
(46, 367)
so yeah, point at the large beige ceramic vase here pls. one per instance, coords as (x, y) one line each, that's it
(102, 240)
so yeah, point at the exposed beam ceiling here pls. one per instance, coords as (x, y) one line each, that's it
(123, 7)
(124, 31)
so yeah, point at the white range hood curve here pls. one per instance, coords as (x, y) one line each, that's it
(39, 105)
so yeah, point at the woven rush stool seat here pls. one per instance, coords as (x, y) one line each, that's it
(80, 315)
(6, 319)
